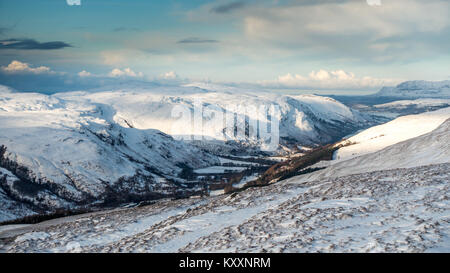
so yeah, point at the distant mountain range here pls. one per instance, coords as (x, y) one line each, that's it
(417, 89)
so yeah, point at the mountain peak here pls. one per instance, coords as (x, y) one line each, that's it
(418, 89)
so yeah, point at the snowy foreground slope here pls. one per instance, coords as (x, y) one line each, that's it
(418, 89)
(385, 209)
(61, 153)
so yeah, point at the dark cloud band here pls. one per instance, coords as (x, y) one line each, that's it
(30, 44)
(195, 40)
(129, 29)
(228, 7)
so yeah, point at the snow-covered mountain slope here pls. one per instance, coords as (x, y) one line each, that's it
(391, 200)
(400, 129)
(430, 148)
(418, 89)
(406, 107)
(11, 209)
(418, 103)
(403, 210)
(68, 153)
(85, 148)
(304, 119)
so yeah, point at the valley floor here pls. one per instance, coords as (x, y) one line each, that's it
(401, 210)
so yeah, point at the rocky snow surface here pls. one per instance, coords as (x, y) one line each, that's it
(400, 210)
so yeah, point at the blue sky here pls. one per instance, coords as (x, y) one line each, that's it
(324, 44)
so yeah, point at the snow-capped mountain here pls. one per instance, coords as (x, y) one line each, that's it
(304, 119)
(85, 148)
(417, 103)
(418, 89)
(397, 130)
(391, 199)
(78, 149)
(406, 107)
(426, 149)
(62, 153)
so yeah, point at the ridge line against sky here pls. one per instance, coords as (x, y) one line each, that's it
(328, 44)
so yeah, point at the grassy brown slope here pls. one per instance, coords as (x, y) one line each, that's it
(292, 167)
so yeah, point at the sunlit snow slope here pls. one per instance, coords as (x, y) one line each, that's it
(400, 129)
(430, 148)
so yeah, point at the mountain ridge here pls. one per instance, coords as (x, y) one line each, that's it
(417, 89)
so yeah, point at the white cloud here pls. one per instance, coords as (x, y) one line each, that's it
(113, 57)
(323, 79)
(74, 2)
(395, 30)
(171, 75)
(84, 73)
(127, 72)
(352, 31)
(374, 2)
(20, 67)
(130, 53)
(398, 17)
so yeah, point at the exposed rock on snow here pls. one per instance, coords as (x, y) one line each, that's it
(11, 209)
(402, 210)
